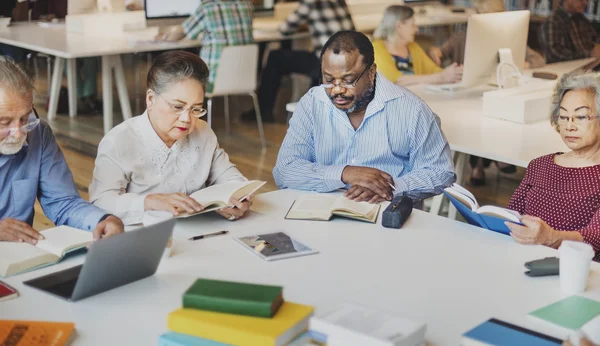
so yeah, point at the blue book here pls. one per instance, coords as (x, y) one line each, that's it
(500, 333)
(178, 339)
(487, 216)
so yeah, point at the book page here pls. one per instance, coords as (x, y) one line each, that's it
(218, 193)
(463, 195)
(502, 213)
(62, 239)
(308, 207)
(18, 257)
(363, 209)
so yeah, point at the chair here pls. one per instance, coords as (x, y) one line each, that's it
(237, 75)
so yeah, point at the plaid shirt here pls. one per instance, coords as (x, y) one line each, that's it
(222, 23)
(324, 18)
(569, 37)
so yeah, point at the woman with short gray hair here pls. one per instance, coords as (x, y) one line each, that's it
(559, 196)
(156, 160)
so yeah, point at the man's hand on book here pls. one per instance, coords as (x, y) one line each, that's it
(535, 232)
(112, 225)
(174, 203)
(371, 178)
(18, 231)
(358, 193)
(238, 210)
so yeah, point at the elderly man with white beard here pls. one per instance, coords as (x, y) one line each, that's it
(32, 165)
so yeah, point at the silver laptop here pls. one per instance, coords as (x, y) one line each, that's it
(110, 263)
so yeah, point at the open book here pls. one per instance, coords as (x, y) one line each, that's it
(16, 258)
(486, 216)
(323, 207)
(217, 196)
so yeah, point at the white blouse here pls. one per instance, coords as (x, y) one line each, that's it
(134, 162)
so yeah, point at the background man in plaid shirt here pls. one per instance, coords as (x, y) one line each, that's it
(324, 18)
(569, 34)
(222, 23)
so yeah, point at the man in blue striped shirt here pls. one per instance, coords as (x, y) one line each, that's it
(361, 132)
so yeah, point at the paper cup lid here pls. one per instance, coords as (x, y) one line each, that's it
(576, 248)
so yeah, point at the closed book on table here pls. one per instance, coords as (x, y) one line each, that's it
(499, 333)
(233, 297)
(290, 320)
(36, 333)
(567, 315)
(177, 339)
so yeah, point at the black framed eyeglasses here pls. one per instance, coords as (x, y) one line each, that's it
(344, 85)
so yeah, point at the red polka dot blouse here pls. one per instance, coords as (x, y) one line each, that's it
(568, 199)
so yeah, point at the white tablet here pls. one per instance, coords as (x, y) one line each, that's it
(274, 246)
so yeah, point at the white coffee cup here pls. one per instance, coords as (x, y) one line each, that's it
(575, 260)
(153, 217)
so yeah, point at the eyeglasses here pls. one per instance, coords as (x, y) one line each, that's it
(33, 120)
(576, 119)
(345, 85)
(179, 110)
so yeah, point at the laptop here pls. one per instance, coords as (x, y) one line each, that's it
(110, 263)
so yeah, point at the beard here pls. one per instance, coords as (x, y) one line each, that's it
(11, 145)
(361, 101)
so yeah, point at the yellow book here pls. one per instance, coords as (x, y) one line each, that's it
(290, 320)
(36, 333)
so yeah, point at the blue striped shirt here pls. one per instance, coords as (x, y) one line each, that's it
(399, 135)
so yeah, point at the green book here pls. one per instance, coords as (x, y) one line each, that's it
(568, 314)
(234, 298)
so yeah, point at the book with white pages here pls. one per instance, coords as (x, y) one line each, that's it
(217, 197)
(17, 258)
(356, 325)
(322, 207)
(487, 216)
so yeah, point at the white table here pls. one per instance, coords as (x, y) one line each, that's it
(448, 274)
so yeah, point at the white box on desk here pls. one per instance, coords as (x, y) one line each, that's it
(105, 24)
(524, 104)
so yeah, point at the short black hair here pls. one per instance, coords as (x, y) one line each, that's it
(350, 41)
(174, 66)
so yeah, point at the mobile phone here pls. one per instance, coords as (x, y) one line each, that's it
(7, 292)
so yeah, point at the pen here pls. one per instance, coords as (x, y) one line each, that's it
(208, 235)
(392, 186)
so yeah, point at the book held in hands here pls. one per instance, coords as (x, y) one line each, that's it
(487, 216)
(322, 207)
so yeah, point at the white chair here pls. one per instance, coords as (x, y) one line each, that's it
(237, 75)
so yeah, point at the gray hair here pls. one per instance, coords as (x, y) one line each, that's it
(391, 16)
(14, 77)
(174, 66)
(576, 80)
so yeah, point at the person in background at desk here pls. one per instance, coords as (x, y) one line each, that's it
(400, 59)
(324, 18)
(32, 164)
(361, 132)
(155, 160)
(559, 196)
(222, 23)
(454, 48)
(569, 35)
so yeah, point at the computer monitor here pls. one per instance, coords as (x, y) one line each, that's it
(173, 12)
(486, 35)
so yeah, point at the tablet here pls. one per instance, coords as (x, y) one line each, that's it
(275, 246)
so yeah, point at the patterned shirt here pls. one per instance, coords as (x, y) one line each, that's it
(324, 18)
(568, 199)
(399, 135)
(568, 36)
(222, 23)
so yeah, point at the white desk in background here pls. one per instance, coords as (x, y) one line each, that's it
(55, 41)
(448, 274)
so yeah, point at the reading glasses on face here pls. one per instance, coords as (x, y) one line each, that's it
(179, 110)
(575, 119)
(345, 85)
(33, 120)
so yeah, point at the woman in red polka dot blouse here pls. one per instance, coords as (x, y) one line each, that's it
(560, 193)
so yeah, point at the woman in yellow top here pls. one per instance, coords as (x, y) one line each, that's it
(400, 59)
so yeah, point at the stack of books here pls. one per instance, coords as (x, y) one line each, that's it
(218, 313)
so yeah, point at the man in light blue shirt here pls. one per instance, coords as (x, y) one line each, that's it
(32, 165)
(361, 132)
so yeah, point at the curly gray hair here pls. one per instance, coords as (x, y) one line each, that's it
(576, 80)
(14, 77)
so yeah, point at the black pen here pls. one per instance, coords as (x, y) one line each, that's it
(208, 235)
